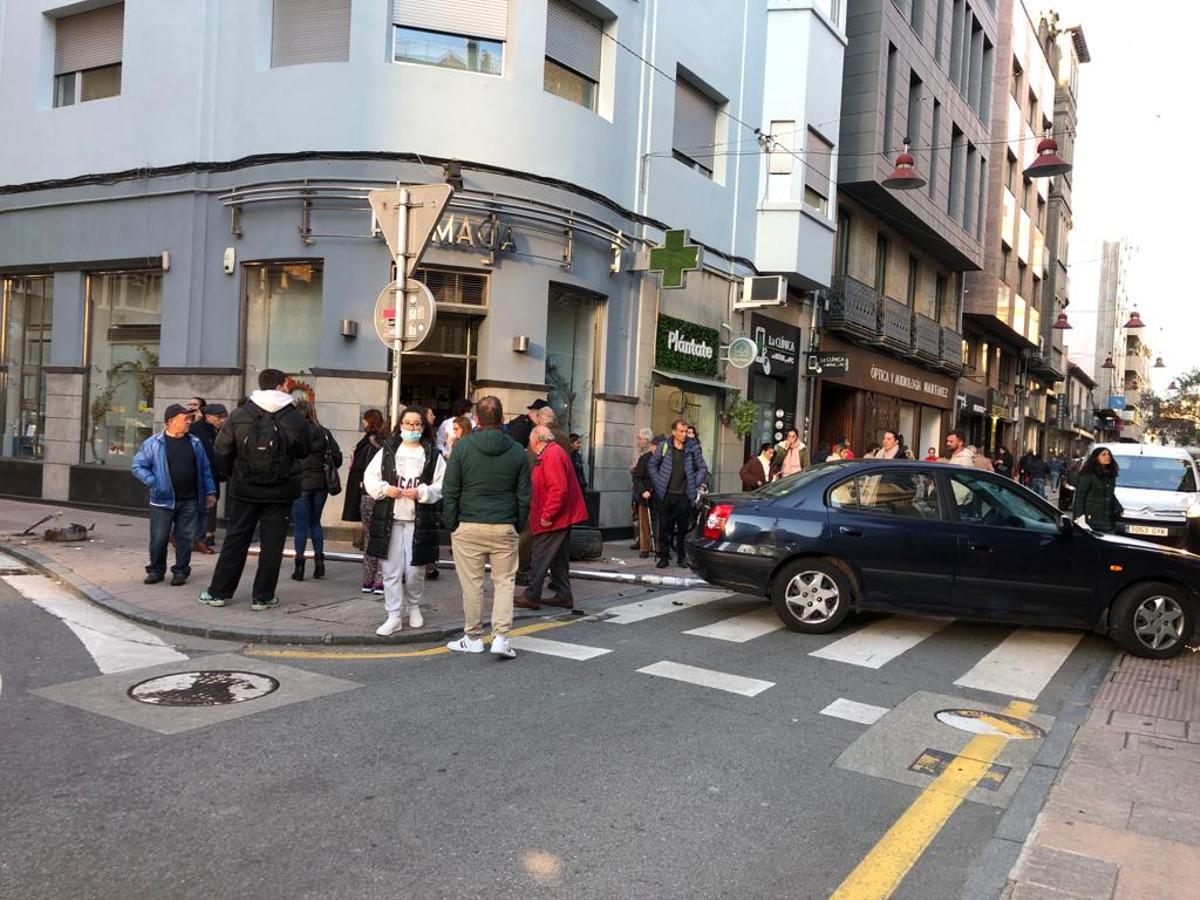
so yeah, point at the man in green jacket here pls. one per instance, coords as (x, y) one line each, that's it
(485, 500)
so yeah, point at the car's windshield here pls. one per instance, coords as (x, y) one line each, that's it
(1156, 473)
(793, 483)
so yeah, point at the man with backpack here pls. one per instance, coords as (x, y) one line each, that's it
(260, 449)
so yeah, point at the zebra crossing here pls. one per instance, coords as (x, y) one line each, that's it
(1021, 664)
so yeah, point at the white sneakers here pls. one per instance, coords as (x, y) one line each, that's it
(415, 619)
(501, 647)
(393, 624)
(466, 644)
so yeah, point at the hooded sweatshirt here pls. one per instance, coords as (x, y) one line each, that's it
(486, 481)
(296, 443)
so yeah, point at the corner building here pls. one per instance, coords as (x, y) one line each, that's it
(184, 204)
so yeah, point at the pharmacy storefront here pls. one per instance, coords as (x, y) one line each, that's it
(686, 386)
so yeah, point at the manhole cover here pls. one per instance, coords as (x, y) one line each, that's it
(980, 721)
(211, 687)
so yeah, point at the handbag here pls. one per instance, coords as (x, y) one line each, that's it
(333, 480)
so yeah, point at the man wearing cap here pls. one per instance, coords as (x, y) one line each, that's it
(212, 418)
(520, 428)
(172, 464)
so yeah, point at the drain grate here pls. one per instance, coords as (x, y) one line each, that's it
(211, 687)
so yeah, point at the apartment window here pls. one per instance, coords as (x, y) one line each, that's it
(125, 321)
(889, 102)
(572, 68)
(939, 296)
(282, 303)
(1019, 287)
(916, 96)
(916, 17)
(87, 55)
(881, 263)
(972, 189)
(956, 38)
(973, 78)
(28, 311)
(1016, 80)
(981, 206)
(1031, 112)
(309, 31)
(939, 25)
(818, 158)
(1005, 263)
(465, 36)
(841, 254)
(695, 126)
(914, 269)
(1041, 214)
(987, 80)
(958, 153)
(1026, 190)
(1010, 171)
(935, 152)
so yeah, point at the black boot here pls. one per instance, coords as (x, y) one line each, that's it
(319, 566)
(298, 575)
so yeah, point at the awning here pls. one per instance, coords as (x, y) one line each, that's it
(685, 378)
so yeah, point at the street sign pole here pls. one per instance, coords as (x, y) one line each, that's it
(401, 260)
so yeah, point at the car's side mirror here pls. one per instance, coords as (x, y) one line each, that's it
(1065, 524)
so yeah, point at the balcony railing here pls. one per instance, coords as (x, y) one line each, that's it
(853, 307)
(927, 337)
(951, 350)
(895, 321)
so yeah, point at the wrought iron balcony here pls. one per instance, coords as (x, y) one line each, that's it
(927, 338)
(853, 307)
(895, 320)
(951, 350)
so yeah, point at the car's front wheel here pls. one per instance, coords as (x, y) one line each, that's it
(811, 596)
(1153, 620)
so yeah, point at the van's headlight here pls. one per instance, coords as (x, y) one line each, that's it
(1193, 511)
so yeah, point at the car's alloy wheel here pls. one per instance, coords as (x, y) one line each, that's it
(813, 597)
(1158, 622)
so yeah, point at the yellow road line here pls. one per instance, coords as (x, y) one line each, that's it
(301, 653)
(882, 870)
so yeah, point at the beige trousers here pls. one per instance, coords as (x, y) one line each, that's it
(475, 544)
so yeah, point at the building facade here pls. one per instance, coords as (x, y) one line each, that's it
(1076, 410)
(221, 225)
(890, 348)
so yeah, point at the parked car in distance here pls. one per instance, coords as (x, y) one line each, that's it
(939, 539)
(1159, 489)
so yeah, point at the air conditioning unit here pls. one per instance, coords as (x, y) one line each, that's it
(762, 290)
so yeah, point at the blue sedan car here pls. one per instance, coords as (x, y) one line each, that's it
(945, 540)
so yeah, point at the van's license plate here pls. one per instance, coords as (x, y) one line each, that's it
(1149, 530)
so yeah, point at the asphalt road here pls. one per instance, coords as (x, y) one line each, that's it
(447, 776)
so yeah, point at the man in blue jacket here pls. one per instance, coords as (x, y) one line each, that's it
(175, 467)
(678, 473)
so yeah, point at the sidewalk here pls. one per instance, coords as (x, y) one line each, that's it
(1123, 818)
(110, 567)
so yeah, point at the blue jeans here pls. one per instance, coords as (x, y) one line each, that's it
(185, 518)
(1038, 486)
(306, 521)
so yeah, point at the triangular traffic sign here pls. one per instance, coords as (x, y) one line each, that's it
(426, 202)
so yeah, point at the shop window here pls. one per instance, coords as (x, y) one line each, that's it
(28, 305)
(87, 55)
(309, 31)
(125, 321)
(282, 318)
(572, 326)
(572, 67)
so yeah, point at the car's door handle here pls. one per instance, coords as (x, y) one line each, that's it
(981, 548)
(850, 532)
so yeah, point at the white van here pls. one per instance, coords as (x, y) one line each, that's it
(1159, 489)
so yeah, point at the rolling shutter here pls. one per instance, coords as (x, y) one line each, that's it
(695, 123)
(470, 18)
(818, 158)
(309, 31)
(573, 38)
(89, 40)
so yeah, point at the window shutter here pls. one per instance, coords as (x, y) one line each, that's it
(695, 123)
(818, 158)
(783, 142)
(89, 40)
(310, 31)
(469, 18)
(573, 38)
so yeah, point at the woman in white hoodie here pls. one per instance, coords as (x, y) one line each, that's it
(405, 478)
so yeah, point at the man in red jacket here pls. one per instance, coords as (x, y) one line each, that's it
(557, 504)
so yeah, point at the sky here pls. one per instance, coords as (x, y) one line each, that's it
(1137, 169)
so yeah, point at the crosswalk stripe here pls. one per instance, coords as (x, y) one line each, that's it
(881, 641)
(741, 628)
(853, 711)
(721, 681)
(115, 645)
(557, 648)
(1022, 664)
(629, 613)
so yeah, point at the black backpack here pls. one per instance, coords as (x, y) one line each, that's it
(262, 457)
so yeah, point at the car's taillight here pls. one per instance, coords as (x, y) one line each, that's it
(714, 525)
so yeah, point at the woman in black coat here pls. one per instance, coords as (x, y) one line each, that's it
(314, 491)
(1096, 491)
(358, 504)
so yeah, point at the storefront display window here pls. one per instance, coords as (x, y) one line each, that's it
(283, 318)
(28, 306)
(125, 313)
(697, 407)
(571, 328)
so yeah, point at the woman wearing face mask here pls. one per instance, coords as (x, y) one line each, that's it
(405, 478)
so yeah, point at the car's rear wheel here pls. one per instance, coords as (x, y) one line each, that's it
(1153, 620)
(811, 596)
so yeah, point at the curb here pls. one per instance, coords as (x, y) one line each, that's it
(104, 599)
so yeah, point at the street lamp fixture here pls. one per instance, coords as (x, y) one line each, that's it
(1048, 162)
(904, 177)
(1135, 321)
(1158, 363)
(1108, 362)
(1061, 323)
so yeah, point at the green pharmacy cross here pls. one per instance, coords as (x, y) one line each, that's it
(675, 257)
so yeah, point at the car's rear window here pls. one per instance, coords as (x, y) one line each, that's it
(1156, 473)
